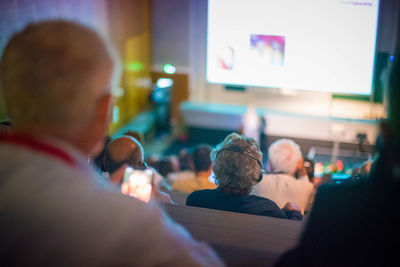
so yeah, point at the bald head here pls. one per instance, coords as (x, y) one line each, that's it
(123, 150)
(52, 75)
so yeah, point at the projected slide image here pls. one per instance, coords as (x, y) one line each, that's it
(312, 45)
(226, 58)
(270, 49)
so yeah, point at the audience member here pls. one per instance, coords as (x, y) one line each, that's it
(56, 77)
(288, 181)
(357, 223)
(237, 168)
(120, 152)
(175, 163)
(309, 167)
(152, 160)
(251, 123)
(165, 166)
(185, 160)
(126, 151)
(98, 159)
(187, 181)
(135, 135)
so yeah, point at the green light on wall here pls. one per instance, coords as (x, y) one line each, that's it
(169, 69)
(115, 114)
(133, 66)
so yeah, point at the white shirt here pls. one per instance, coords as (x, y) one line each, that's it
(283, 188)
(55, 214)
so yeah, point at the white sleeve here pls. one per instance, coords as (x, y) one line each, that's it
(304, 178)
(165, 243)
(187, 251)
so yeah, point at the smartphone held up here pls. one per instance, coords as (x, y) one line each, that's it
(138, 183)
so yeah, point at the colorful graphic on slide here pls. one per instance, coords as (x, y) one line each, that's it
(268, 48)
(226, 58)
(298, 45)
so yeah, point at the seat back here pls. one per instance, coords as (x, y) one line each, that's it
(239, 238)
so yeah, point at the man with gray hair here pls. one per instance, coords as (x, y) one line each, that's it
(288, 181)
(56, 78)
(237, 168)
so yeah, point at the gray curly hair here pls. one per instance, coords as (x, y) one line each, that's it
(234, 169)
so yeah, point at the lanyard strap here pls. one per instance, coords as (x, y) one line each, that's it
(37, 145)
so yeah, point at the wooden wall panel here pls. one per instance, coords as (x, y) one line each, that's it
(179, 93)
(130, 31)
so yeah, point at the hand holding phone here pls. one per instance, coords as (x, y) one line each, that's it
(291, 206)
(138, 183)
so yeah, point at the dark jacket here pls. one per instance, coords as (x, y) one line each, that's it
(353, 224)
(255, 205)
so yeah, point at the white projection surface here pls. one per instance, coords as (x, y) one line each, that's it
(316, 45)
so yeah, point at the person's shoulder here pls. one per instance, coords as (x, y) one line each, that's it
(180, 176)
(147, 211)
(183, 181)
(208, 185)
(274, 178)
(200, 195)
(152, 230)
(343, 188)
(266, 182)
(203, 192)
(262, 200)
(263, 206)
(333, 196)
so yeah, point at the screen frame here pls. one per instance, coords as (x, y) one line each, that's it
(367, 97)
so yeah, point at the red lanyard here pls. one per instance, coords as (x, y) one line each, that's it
(37, 145)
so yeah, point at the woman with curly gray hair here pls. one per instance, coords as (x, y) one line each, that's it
(237, 168)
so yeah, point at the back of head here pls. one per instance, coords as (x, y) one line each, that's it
(284, 156)
(236, 162)
(165, 166)
(52, 73)
(123, 150)
(201, 158)
(185, 158)
(135, 135)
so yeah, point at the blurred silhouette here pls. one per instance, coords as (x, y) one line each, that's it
(357, 223)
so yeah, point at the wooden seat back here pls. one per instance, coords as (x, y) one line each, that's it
(239, 238)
